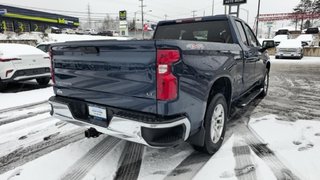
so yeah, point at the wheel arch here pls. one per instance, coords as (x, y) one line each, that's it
(222, 85)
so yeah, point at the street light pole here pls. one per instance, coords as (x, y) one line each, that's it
(212, 7)
(142, 18)
(135, 24)
(258, 14)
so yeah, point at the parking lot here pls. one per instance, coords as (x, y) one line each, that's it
(261, 140)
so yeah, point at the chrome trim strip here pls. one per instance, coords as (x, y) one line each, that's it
(119, 127)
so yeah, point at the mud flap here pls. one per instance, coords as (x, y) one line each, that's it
(198, 138)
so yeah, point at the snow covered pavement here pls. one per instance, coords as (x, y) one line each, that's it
(274, 138)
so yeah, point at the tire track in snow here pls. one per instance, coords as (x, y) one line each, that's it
(22, 107)
(189, 167)
(25, 154)
(276, 165)
(25, 116)
(36, 135)
(91, 158)
(279, 169)
(131, 162)
(245, 168)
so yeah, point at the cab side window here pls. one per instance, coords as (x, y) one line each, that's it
(252, 40)
(242, 33)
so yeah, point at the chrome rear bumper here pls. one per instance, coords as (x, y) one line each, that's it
(119, 127)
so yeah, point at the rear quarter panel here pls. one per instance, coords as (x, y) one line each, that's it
(201, 64)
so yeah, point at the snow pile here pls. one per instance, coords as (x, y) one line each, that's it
(75, 37)
(60, 161)
(297, 143)
(40, 37)
(9, 100)
(280, 38)
(305, 37)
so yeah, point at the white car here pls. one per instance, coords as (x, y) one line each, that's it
(67, 31)
(19, 62)
(306, 39)
(90, 32)
(290, 48)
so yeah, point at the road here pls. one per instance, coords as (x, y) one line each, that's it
(35, 145)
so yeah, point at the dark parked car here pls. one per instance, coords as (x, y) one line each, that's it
(55, 30)
(105, 33)
(314, 30)
(179, 86)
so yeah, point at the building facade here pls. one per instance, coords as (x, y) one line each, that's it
(27, 20)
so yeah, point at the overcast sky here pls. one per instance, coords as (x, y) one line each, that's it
(172, 8)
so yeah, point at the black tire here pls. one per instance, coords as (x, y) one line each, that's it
(265, 85)
(43, 81)
(3, 86)
(210, 145)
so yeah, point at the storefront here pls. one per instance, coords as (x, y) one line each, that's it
(26, 20)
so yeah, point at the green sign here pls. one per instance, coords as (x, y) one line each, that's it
(123, 15)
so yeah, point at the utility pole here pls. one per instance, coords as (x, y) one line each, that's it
(258, 14)
(212, 7)
(135, 24)
(193, 13)
(142, 18)
(89, 16)
(165, 17)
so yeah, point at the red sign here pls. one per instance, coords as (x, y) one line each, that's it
(145, 27)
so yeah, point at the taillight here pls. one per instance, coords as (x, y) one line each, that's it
(51, 68)
(167, 84)
(9, 59)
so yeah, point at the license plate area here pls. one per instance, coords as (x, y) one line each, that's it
(97, 113)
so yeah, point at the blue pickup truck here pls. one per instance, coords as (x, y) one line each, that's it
(178, 86)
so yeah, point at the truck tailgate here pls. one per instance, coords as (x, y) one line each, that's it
(111, 73)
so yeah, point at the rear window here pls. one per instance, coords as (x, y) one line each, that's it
(211, 31)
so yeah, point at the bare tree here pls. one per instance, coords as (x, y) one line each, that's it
(304, 7)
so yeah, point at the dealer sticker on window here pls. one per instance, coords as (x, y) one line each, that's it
(97, 112)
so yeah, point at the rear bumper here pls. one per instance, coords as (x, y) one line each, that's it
(27, 74)
(159, 134)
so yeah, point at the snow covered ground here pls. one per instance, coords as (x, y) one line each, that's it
(274, 138)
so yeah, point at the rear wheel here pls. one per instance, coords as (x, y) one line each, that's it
(43, 81)
(214, 124)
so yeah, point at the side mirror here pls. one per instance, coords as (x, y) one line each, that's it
(268, 44)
